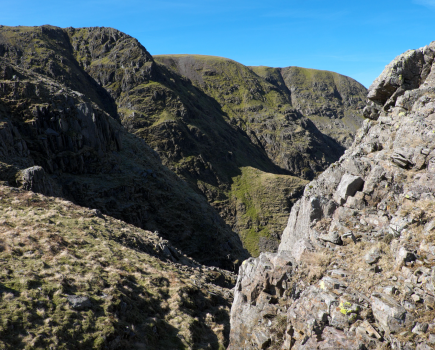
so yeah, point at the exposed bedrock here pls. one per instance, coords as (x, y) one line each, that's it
(356, 265)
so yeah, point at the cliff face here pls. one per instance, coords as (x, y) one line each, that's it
(82, 153)
(333, 102)
(356, 265)
(233, 135)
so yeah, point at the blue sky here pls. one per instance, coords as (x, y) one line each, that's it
(354, 38)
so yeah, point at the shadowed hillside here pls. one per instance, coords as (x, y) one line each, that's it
(210, 119)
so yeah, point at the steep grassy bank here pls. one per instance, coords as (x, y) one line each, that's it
(72, 278)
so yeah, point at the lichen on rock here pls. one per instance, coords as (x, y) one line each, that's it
(379, 200)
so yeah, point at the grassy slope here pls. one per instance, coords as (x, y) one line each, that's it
(51, 248)
(332, 101)
(263, 201)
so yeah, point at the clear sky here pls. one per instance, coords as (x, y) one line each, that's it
(355, 38)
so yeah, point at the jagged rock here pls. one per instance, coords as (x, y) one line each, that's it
(403, 157)
(79, 302)
(391, 316)
(397, 225)
(375, 177)
(371, 111)
(257, 289)
(391, 214)
(348, 186)
(402, 73)
(35, 179)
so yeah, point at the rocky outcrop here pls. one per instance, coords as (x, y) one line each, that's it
(333, 102)
(212, 121)
(358, 267)
(34, 179)
(57, 141)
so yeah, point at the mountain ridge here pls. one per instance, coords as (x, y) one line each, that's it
(207, 139)
(152, 187)
(345, 274)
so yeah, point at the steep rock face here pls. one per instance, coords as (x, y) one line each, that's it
(357, 255)
(88, 157)
(47, 50)
(333, 102)
(189, 130)
(213, 121)
(263, 110)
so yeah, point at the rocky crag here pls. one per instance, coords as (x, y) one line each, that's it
(270, 106)
(356, 265)
(333, 102)
(58, 141)
(217, 124)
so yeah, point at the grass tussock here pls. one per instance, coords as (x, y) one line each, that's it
(316, 264)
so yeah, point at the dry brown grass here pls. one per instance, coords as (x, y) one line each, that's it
(316, 264)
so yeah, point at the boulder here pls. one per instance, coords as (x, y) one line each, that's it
(404, 256)
(420, 328)
(35, 179)
(397, 225)
(391, 316)
(79, 302)
(356, 202)
(348, 186)
(372, 256)
(332, 237)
